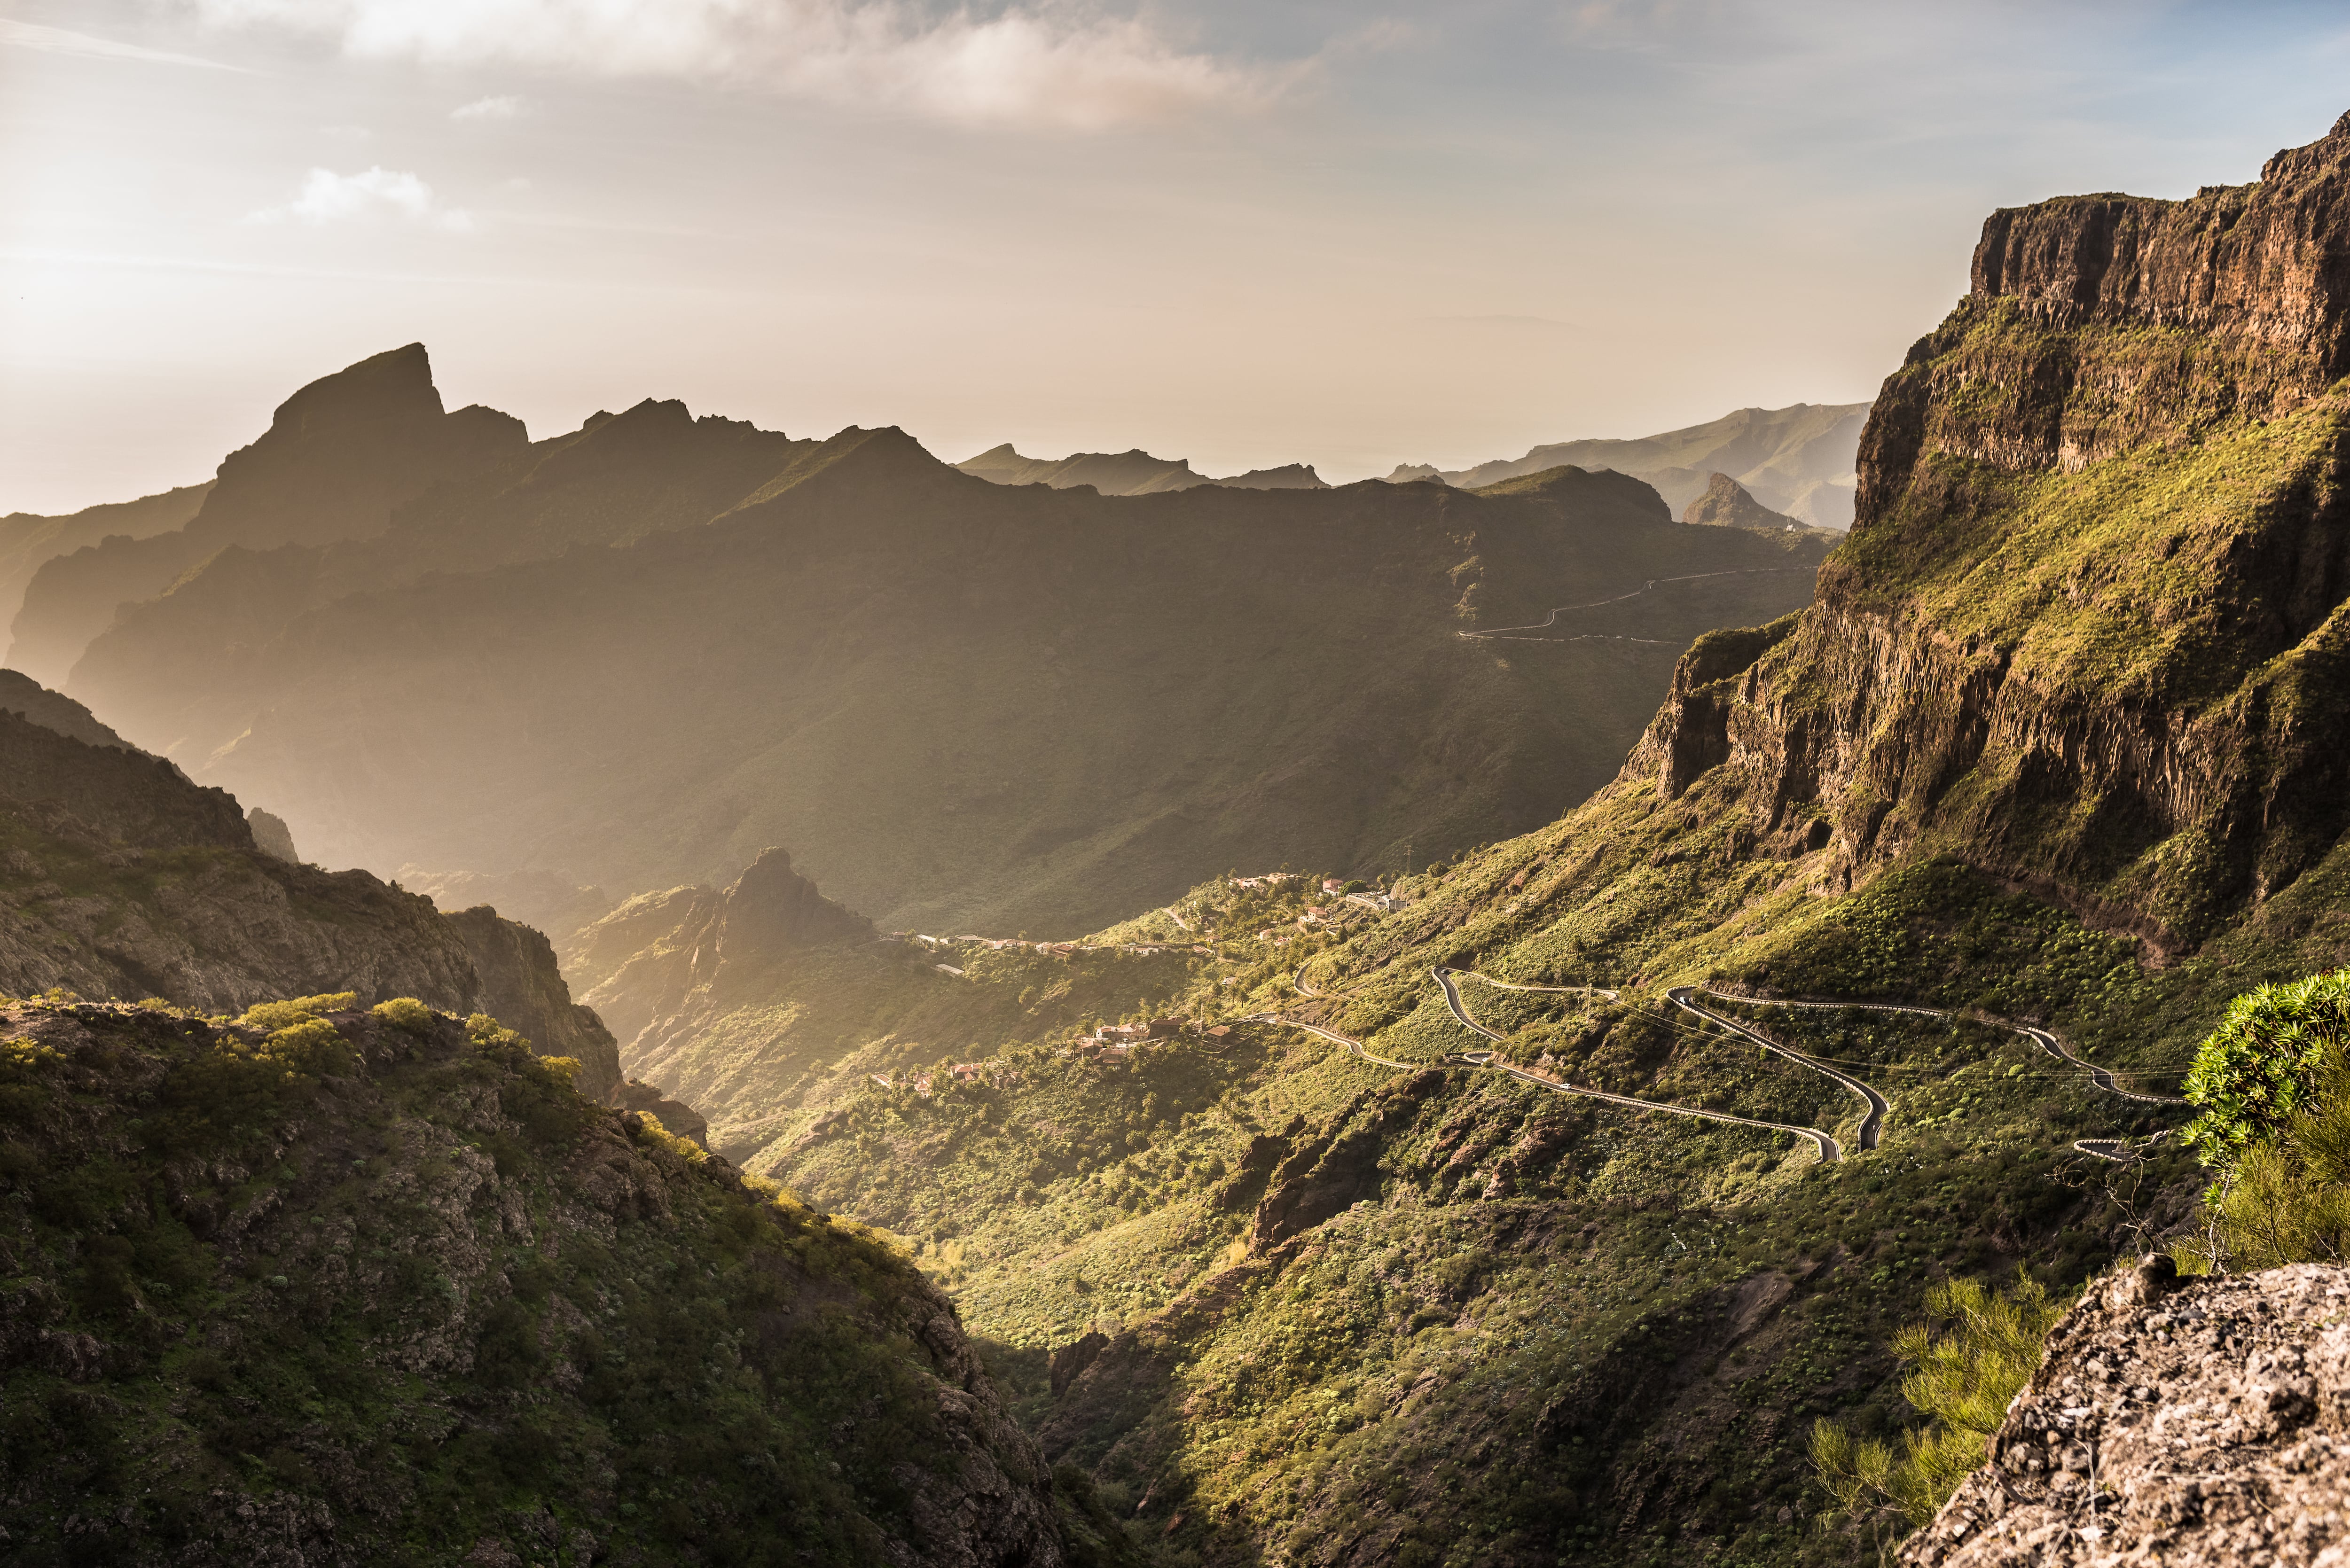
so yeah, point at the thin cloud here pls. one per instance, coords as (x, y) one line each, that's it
(59, 41)
(373, 195)
(505, 106)
(1050, 66)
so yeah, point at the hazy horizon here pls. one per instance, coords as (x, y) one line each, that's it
(1241, 237)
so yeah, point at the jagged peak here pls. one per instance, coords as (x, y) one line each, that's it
(396, 384)
(772, 909)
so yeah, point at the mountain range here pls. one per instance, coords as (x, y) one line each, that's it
(642, 651)
(1798, 460)
(1592, 1194)
(1134, 472)
(1542, 1201)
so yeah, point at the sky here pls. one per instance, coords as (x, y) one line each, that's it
(1241, 232)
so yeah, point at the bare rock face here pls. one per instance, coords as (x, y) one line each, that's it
(772, 910)
(523, 988)
(271, 836)
(2135, 688)
(2201, 1427)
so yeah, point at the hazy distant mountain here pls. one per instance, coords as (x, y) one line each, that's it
(645, 650)
(338, 457)
(27, 539)
(1726, 503)
(1798, 460)
(1134, 472)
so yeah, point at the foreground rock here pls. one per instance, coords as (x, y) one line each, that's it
(2204, 1425)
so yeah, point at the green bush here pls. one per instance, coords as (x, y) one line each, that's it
(276, 1015)
(405, 1013)
(2286, 1198)
(1963, 1380)
(2259, 1066)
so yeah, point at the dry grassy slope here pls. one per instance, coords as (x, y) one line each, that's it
(985, 707)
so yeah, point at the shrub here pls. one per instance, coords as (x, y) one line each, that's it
(405, 1013)
(1963, 1379)
(2286, 1198)
(276, 1015)
(2259, 1066)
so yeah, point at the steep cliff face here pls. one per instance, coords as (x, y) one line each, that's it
(2088, 628)
(360, 1288)
(523, 988)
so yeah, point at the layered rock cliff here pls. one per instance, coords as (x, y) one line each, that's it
(2088, 623)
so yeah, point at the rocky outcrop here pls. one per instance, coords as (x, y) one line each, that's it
(2126, 714)
(772, 911)
(676, 1116)
(1727, 505)
(661, 959)
(2205, 1426)
(271, 836)
(522, 987)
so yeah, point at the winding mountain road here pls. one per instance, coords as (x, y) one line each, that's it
(1872, 1126)
(1830, 1151)
(2119, 1150)
(1871, 1131)
(1649, 586)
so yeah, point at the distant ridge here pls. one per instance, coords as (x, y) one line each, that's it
(1799, 461)
(1134, 472)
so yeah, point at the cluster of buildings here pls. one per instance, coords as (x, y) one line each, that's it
(995, 1074)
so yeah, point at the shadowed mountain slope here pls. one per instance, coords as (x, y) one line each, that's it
(1134, 472)
(961, 702)
(120, 879)
(29, 540)
(333, 1285)
(338, 455)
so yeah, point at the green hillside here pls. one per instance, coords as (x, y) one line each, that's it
(959, 703)
(382, 1287)
(2043, 777)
